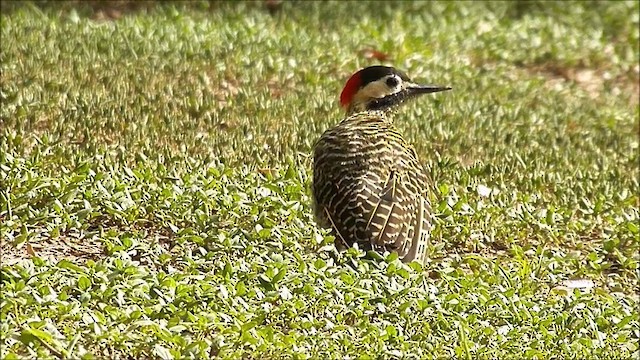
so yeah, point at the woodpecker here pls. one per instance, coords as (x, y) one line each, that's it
(368, 185)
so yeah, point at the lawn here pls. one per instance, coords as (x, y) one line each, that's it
(155, 169)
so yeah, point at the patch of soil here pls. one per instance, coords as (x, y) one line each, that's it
(593, 81)
(74, 246)
(80, 245)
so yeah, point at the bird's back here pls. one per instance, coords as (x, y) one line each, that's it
(369, 187)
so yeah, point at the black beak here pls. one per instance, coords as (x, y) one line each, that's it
(415, 89)
(410, 91)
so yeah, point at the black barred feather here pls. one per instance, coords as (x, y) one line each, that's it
(369, 187)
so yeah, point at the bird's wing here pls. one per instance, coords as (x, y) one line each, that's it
(386, 215)
(419, 232)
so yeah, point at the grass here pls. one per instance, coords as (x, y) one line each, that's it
(154, 174)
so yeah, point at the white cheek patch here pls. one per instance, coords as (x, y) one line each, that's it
(375, 90)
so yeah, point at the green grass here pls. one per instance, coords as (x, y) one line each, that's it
(154, 182)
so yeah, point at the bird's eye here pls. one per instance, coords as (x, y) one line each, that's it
(392, 82)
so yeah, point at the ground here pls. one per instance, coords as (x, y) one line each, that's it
(155, 168)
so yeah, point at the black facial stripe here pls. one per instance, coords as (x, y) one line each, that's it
(373, 73)
(389, 100)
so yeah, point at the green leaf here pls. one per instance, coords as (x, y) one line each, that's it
(241, 288)
(66, 264)
(39, 334)
(162, 352)
(84, 283)
(279, 276)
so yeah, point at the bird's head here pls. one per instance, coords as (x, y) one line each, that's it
(381, 88)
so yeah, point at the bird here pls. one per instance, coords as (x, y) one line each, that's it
(368, 186)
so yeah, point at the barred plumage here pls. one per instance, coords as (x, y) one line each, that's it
(368, 185)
